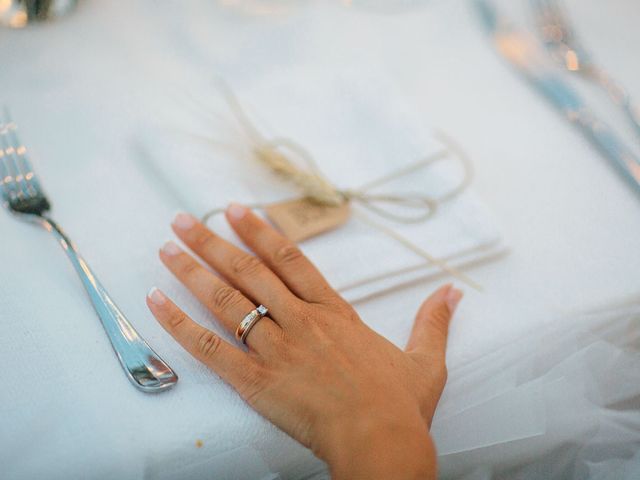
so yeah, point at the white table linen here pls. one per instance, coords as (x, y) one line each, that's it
(81, 88)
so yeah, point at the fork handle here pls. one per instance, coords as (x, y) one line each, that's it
(146, 370)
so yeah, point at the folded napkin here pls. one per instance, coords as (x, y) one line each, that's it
(358, 129)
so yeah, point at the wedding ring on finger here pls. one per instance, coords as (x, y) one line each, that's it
(247, 323)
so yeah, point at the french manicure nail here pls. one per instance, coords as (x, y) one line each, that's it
(156, 296)
(236, 211)
(453, 298)
(170, 248)
(184, 221)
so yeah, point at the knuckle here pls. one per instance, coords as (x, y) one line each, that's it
(252, 384)
(208, 344)
(441, 375)
(176, 319)
(246, 265)
(188, 269)
(440, 317)
(226, 297)
(281, 344)
(275, 336)
(301, 314)
(203, 240)
(440, 313)
(287, 254)
(349, 314)
(354, 317)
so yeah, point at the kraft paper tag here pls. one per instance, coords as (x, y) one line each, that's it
(300, 219)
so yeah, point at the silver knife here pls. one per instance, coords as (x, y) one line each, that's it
(523, 52)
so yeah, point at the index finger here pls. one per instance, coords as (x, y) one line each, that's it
(281, 255)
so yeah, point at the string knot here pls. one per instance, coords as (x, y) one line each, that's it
(313, 185)
(318, 189)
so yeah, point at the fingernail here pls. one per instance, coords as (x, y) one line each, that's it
(453, 298)
(184, 221)
(236, 211)
(170, 248)
(156, 296)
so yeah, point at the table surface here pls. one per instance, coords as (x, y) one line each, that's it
(571, 222)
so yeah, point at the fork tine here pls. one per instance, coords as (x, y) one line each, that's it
(4, 189)
(9, 187)
(18, 153)
(24, 166)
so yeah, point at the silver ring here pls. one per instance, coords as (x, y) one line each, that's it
(249, 320)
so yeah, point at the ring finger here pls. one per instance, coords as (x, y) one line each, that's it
(225, 302)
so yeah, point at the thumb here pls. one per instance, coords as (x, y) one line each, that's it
(431, 327)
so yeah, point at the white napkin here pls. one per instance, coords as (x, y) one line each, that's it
(358, 129)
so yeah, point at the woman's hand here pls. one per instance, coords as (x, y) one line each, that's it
(313, 368)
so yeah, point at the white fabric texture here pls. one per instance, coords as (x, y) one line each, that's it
(85, 91)
(569, 395)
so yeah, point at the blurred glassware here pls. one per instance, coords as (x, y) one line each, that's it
(261, 7)
(385, 6)
(19, 13)
(279, 7)
(562, 43)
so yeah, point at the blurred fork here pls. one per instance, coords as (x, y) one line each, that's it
(564, 47)
(23, 196)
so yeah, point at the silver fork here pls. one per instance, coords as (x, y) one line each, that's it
(564, 47)
(23, 196)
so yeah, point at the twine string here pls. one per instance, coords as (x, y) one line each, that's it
(318, 189)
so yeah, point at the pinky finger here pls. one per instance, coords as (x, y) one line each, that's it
(232, 364)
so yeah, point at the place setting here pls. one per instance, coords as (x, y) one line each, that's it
(300, 197)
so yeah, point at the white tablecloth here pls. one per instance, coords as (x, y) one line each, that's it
(83, 86)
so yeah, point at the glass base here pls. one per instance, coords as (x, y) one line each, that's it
(20, 13)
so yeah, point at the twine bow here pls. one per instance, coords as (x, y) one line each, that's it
(318, 189)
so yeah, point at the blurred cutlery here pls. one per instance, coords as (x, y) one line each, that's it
(523, 53)
(565, 48)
